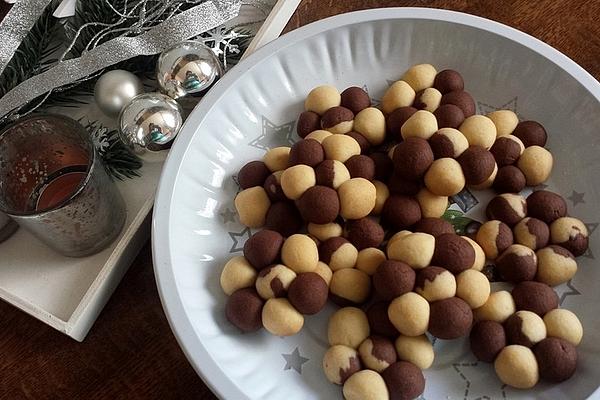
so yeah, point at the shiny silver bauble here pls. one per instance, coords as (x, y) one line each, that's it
(115, 89)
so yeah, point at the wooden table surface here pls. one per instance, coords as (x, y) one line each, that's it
(130, 352)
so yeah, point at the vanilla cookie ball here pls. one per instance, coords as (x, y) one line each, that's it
(453, 252)
(340, 147)
(432, 205)
(300, 253)
(369, 259)
(280, 318)
(509, 208)
(350, 286)
(338, 120)
(274, 281)
(428, 99)
(505, 120)
(525, 328)
(325, 231)
(450, 318)
(536, 164)
(421, 124)
(420, 76)
(409, 314)
(479, 262)
(324, 272)
(365, 385)
(348, 326)
(479, 131)
(319, 135)
(381, 195)
(448, 143)
(338, 253)
(322, 98)
(564, 324)
(404, 380)
(516, 366)
(570, 233)
(370, 123)
(435, 283)
(296, 180)
(516, 264)
(415, 349)
(377, 353)
(357, 198)
(414, 249)
(400, 94)
(340, 363)
(534, 296)
(237, 274)
(445, 177)
(252, 205)
(277, 158)
(473, 287)
(494, 237)
(331, 173)
(532, 232)
(393, 279)
(556, 265)
(498, 307)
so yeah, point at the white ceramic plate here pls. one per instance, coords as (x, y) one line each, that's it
(255, 106)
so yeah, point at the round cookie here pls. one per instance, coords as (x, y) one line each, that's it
(525, 328)
(415, 349)
(361, 166)
(379, 322)
(546, 205)
(420, 76)
(252, 174)
(308, 293)
(357, 198)
(448, 143)
(324, 272)
(498, 307)
(415, 249)
(350, 286)
(355, 99)
(448, 80)
(453, 252)
(509, 208)
(409, 314)
(398, 95)
(277, 158)
(263, 248)
(509, 179)
(280, 318)
(319, 205)
(449, 116)
(494, 237)
(479, 131)
(435, 283)
(556, 265)
(308, 121)
(450, 318)
(477, 165)
(532, 232)
(364, 232)
(507, 150)
(505, 120)
(361, 140)
(473, 287)
(564, 324)
(296, 180)
(393, 279)
(340, 363)
(348, 326)
(557, 359)
(396, 119)
(531, 133)
(412, 158)
(404, 381)
(340, 147)
(370, 123)
(445, 177)
(377, 353)
(434, 226)
(237, 274)
(479, 262)
(399, 185)
(252, 205)
(338, 253)
(308, 152)
(432, 205)
(536, 164)
(428, 99)
(462, 100)
(365, 384)
(299, 253)
(400, 212)
(488, 182)
(570, 233)
(319, 135)
(421, 124)
(384, 166)
(338, 120)
(274, 281)
(516, 366)
(518, 263)
(325, 231)
(273, 188)
(322, 98)
(381, 195)
(244, 308)
(534, 296)
(283, 217)
(331, 173)
(487, 339)
(369, 259)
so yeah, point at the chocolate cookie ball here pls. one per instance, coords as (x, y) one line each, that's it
(276, 159)
(432, 205)
(273, 188)
(283, 217)
(462, 100)
(365, 384)
(448, 80)
(525, 328)
(412, 158)
(338, 253)
(348, 326)
(479, 262)
(369, 259)
(381, 195)
(531, 133)
(308, 152)
(263, 248)
(536, 164)
(379, 322)
(487, 339)
(350, 286)
(237, 274)
(434, 226)
(450, 318)
(322, 98)
(479, 131)
(420, 76)
(399, 94)
(377, 353)
(319, 135)
(252, 174)
(428, 99)
(516, 366)
(453, 252)
(325, 231)
(507, 150)
(421, 124)
(488, 182)
(564, 324)
(340, 147)
(509, 208)
(534, 296)
(505, 120)
(300, 254)
(357, 198)
(532, 232)
(319, 205)
(396, 119)
(404, 381)
(355, 99)
(252, 205)
(448, 143)
(546, 205)
(338, 120)
(308, 121)
(409, 314)
(494, 237)
(296, 180)
(370, 123)
(498, 307)
(473, 287)
(509, 179)
(308, 293)
(414, 249)
(570, 233)
(280, 318)
(274, 281)
(384, 166)
(244, 308)
(445, 177)
(361, 167)
(399, 185)
(435, 283)
(331, 173)
(557, 359)
(340, 363)
(477, 164)
(364, 232)
(556, 265)
(449, 116)
(415, 349)
(401, 212)
(324, 272)
(361, 140)
(393, 279)
(518, 263)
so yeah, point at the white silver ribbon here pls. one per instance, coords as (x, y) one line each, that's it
(178, 28)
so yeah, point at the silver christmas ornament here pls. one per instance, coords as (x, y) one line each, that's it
(149, 121)
(115, 89)
(188, 68)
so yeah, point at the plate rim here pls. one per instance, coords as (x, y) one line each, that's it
(209, 371)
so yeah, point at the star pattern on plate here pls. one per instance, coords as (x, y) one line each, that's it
(591, 227)
(485, 108)
(589, 254)
(228, 215)
(576, 198)
(294, 361)
(569, 290)
(239, 239)
(274, 135)
(476, 378)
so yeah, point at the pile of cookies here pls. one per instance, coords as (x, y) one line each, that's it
(352, 213)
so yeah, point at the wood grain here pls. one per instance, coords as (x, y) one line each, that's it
(131, 352)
